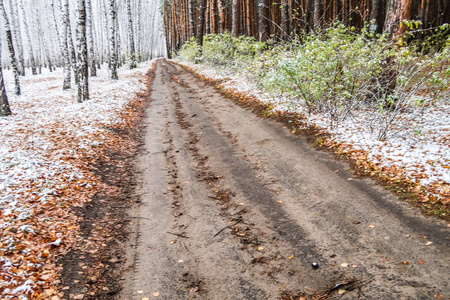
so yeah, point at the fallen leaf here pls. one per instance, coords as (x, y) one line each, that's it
(341, 291)
(156, 294)
(78, 297)
(145, 299)
(139, 292)
(421, 261)
(280, 202)
(345, 265)
(405, 262)
(354, 266)
(439, 296)
(194, 289)
(371, 226)
(260, 248)
(428, 243)
(291, 257)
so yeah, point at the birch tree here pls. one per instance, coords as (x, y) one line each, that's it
(132, 49)
(27, 35)
(4, 104)
(17, 35)
(83, 82)
(112, 40)
(12, 54)
(71, 46)
(90, 35)
(64, 44)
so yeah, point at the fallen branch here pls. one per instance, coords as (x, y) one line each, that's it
(181, 235)
(228, 226)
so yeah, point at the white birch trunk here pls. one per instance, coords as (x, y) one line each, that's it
(12, 54)
(4, 104)
(90, 35)
(112, 39)
(83, 82)
(17, 35)
(132, 49)
(27, 35)
(64, 44)
(43, 50)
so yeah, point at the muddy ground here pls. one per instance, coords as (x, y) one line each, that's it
(233, 206)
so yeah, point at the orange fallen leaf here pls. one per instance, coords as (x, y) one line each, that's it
(421, 261)
(405, 262)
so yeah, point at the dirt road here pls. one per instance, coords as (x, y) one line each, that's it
(232, 206)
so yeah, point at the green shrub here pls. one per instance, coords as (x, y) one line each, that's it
(337, 71)
(189, 51)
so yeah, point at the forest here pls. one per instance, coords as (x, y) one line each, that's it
(279, 20)
(79, 36)
(280, 150)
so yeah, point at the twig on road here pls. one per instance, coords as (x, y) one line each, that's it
(228, 226)
(181, 235)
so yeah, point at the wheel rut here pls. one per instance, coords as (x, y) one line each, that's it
(232, 206)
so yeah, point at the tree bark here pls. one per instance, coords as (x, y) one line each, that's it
(375, 16)
(64, 44)
(285, 18)
(318, 14)
(4, 104)
(90, 36)
(112, 40)
(18, 35)
(133, 63)
(236, 18)
(12, 54)
(396, 11)
(201, 22)
(263, 20)
(191, 18)
(83, 83)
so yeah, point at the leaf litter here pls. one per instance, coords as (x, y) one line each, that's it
(47, 146)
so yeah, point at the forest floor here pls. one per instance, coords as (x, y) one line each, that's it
(160, 187)
(234, 206)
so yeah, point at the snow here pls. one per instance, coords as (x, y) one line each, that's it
(422, 149)
(34, 156)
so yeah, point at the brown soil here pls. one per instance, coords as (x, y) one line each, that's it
(233, 206)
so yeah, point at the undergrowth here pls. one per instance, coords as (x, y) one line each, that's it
(338, 72)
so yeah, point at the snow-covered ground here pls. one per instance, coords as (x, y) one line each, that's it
(40, 146)
(422, 150)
